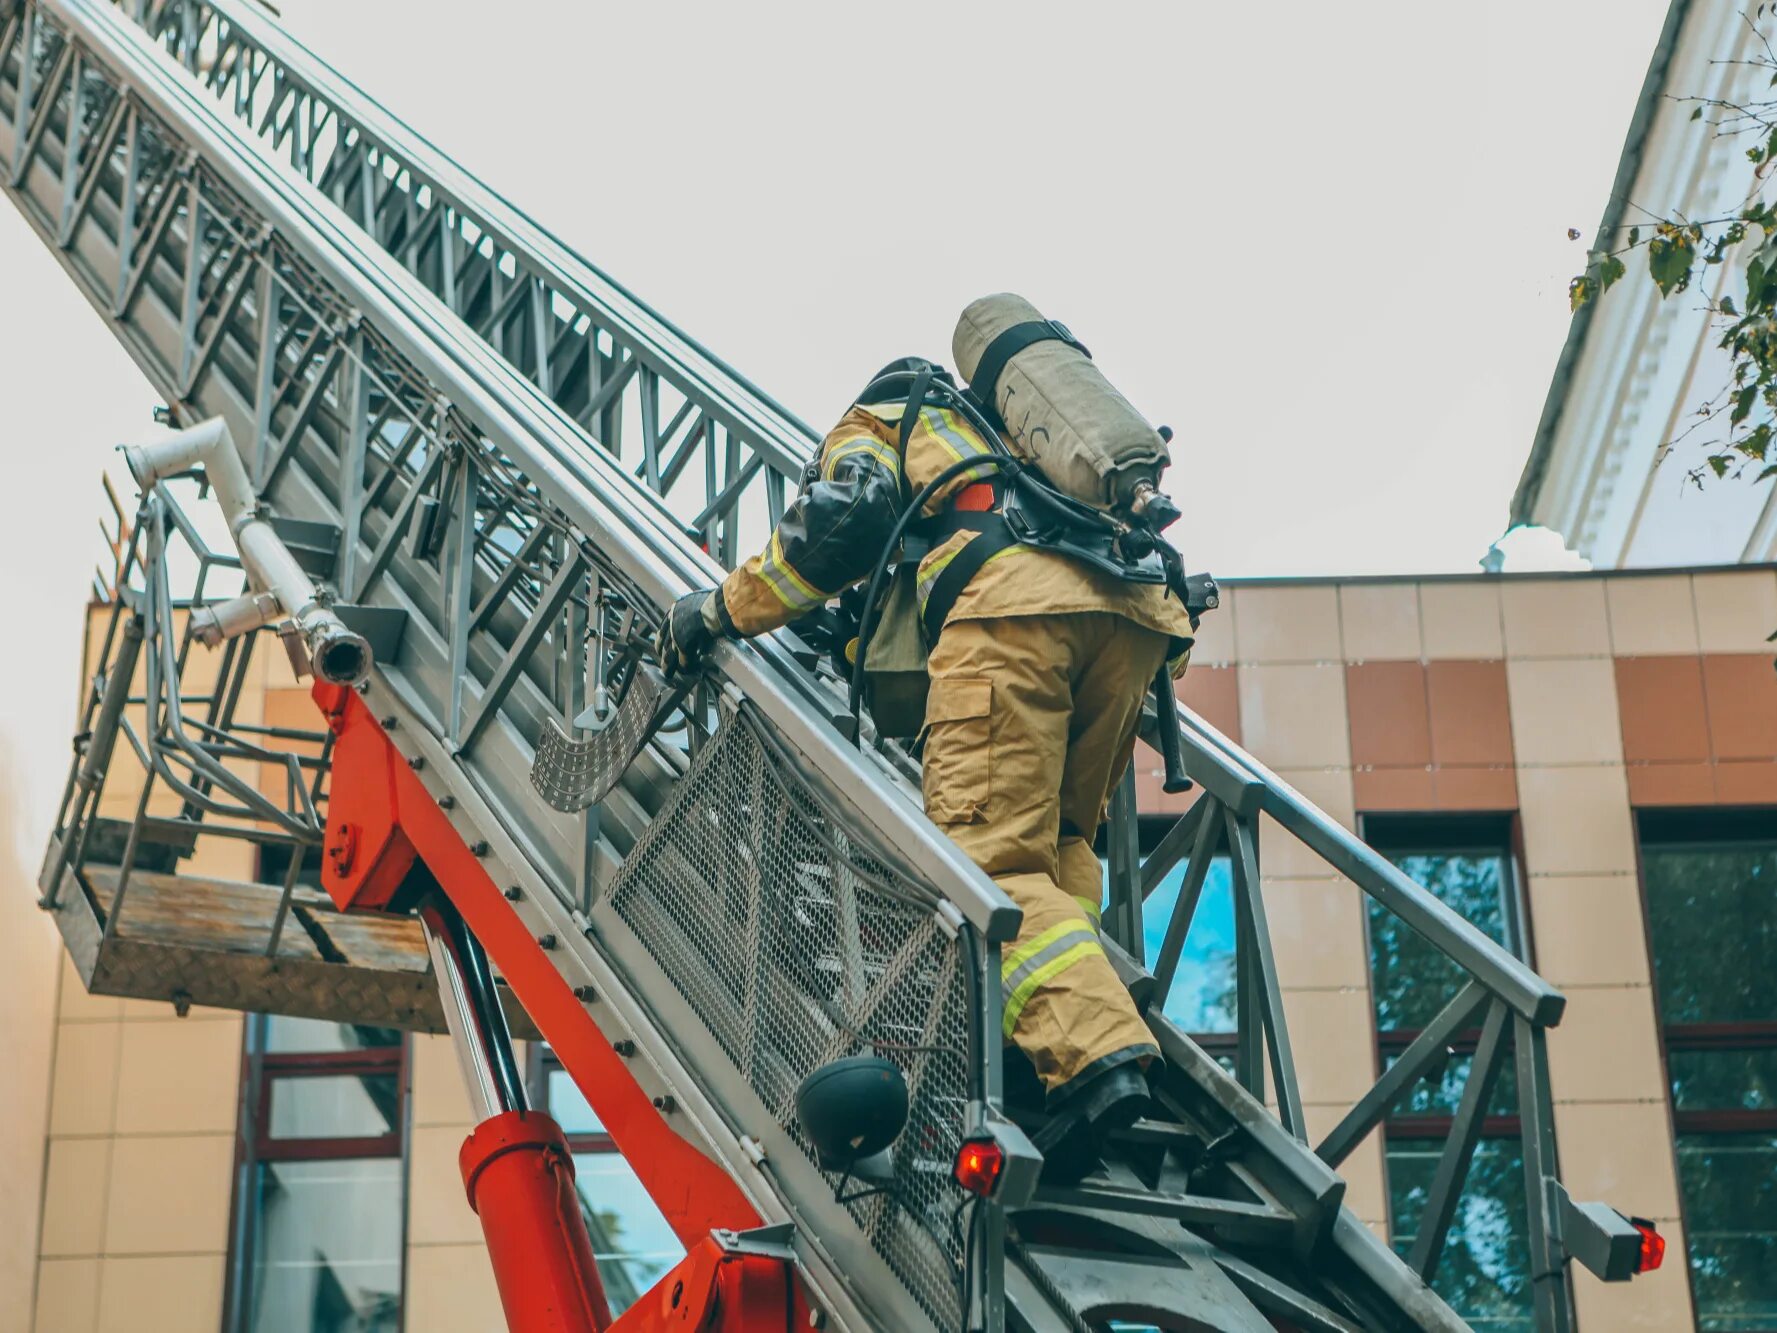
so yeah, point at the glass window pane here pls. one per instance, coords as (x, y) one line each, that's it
(1730, 1212)
(304, 1035)
(333, 1106)
(1202, 996)
(632, 1242)
(1410, 978)
(1442, 1095)
(1723, 1080)
(569, 1108)
(1485, 1270)
(327, 1252)
(1712, 918)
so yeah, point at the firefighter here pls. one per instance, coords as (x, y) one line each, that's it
(1037, 676)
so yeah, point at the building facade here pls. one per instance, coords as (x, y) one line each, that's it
(1584, 765)
(1636, 368)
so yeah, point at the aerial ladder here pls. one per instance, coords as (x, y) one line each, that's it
(462, 472)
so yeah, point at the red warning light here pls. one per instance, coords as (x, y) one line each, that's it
(978, 1164)
(1653, 1245)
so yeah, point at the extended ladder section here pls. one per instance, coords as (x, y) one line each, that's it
(502, 467)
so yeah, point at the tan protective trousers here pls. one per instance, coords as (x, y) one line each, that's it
(1031, 720)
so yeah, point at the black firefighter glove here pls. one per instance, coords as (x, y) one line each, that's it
(689, 632)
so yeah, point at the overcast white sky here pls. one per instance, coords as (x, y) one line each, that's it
(1327, 243)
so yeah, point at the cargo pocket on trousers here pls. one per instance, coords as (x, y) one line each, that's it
(958, 766)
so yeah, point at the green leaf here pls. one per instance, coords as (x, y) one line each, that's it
(1697, 114)
(1579, 291)
(1770, 471)
(1743, 401)
(1718, 464)
(1669, 260)
(1727, 306)
(1634, 237)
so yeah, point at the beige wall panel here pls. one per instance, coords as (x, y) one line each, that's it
(74, 1197)
(1294, 716)
(438, 1212)
(179, 1077)
(83, 1100)
(1588, 930)
(1331, 1032)
(1564, 711)
(1282, 854)
(450, 1289)
(1317, 933)
(161, 1294)
(1380, 621)
(1364, 1173)
(1288, 623)
(1606, 1048)
(1651, 617)
(29, 949)
(1736, 611)
(170, 1195)
(439, 1097)
(1576, 821)
(67, 1296)
(1214, 645)
(1461, 621)
(1620, 1152)
(1555, 618)
(77, 1004)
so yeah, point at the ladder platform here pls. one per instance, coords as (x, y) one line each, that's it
(192, 939)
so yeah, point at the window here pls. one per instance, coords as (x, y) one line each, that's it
(632, 1242)
(1711, 882)
(1467, 862)
(320, 1202)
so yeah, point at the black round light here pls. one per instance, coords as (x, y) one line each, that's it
(852, 1108)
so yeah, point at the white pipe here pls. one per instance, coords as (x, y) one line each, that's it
(339, 655)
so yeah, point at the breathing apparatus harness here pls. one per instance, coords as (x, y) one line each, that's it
(1024, 509)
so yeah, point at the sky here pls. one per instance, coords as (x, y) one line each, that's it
(1327, 244)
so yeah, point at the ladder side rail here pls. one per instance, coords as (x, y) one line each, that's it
(162, 352)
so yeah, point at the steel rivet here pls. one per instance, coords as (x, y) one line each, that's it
(665, 1105)
(546, 941)
(390, 722)
(478, 847)
(514, 893)
(447, 802)
(416, 762)
(624, 1047)
(585, 994)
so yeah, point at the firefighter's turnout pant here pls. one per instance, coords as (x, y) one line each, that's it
(1031, 720)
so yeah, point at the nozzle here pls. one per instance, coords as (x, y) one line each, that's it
(340, 656)
(1153, 508)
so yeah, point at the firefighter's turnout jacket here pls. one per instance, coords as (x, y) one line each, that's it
(1037, 682)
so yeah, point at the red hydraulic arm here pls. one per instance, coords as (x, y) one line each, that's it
(516, 1166)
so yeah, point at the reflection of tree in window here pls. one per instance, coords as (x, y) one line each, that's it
(322, 1222)
(1466, 861)
(632, 1242)
(1711, 883)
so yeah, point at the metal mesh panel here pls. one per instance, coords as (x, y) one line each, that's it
(572, 775)
(795, 947)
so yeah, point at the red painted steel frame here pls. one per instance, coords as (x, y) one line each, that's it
(380, 820)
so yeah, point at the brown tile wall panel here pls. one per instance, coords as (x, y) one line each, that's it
(1471, 720)
(1661, 703)
(1390, 724)
(1394, 790)
(1461, 788)
(1214, 693)
(1741, 691)
(1746, 782)
(1672, 784)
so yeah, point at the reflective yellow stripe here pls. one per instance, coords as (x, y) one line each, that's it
(1023, 953)
(1093, 908)
(775, 572)
(958, 442)
(929, 576)
(1042, 976)
(865, 445)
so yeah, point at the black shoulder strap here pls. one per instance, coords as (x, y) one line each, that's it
(916, 399)
(1008, 343)
(995, 536)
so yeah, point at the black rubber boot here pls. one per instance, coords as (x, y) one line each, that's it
(1086, 1112)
